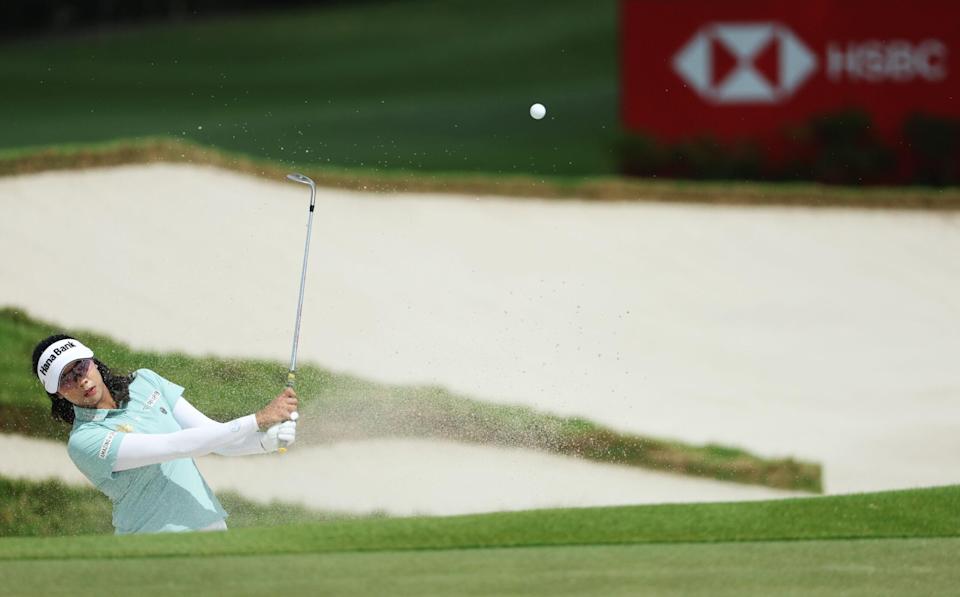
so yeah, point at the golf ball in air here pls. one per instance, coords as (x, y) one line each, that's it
(538, 111)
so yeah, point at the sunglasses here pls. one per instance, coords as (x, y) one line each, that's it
(71, 377)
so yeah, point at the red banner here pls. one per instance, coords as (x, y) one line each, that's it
(749, 68)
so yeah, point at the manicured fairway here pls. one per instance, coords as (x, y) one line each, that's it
(896, 543)
(857, 567)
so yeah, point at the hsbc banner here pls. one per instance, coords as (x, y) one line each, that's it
(748, 69)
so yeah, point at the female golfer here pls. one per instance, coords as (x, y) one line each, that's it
(135, 438)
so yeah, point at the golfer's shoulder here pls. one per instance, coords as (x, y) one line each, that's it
(148, 376)
(152, 381)
(144, 373)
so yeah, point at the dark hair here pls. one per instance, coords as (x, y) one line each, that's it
(61, 409)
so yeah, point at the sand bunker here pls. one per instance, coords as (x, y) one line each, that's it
(829, 335)
(408, 477)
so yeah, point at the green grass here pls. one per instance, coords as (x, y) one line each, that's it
(25, 160)
(420, 95)
(902, 542)
(340, 407)
(52, 508)
(917, 513)
(420, 85)
(869, 568)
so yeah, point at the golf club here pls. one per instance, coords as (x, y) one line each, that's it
(292, 373)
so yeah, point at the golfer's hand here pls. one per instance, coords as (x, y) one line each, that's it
(279, 409)
(281, 434)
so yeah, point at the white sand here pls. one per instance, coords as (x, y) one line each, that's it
(830, 335)
(405, 477)
(408, 477)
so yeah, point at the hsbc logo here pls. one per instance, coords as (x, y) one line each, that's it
(740, 63)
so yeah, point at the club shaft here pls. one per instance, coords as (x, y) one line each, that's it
(292, 374)
(291, 377)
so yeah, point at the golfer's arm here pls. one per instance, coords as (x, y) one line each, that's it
(143, 449)
(189, 418)
(244, 447)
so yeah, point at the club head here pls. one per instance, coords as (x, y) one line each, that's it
(297, 177)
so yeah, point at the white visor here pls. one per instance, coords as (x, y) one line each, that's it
(56, 358)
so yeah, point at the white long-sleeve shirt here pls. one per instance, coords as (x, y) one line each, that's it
(200, 436)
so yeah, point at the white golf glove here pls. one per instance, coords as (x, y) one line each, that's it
(285, 432)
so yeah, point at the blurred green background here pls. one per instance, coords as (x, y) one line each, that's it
(418, 85)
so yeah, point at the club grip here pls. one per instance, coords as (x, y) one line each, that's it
(291, 380)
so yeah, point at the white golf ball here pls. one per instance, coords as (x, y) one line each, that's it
(538, 111)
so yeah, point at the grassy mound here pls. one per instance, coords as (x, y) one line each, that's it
(344, 407)
(914, 513)
(51, 508)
